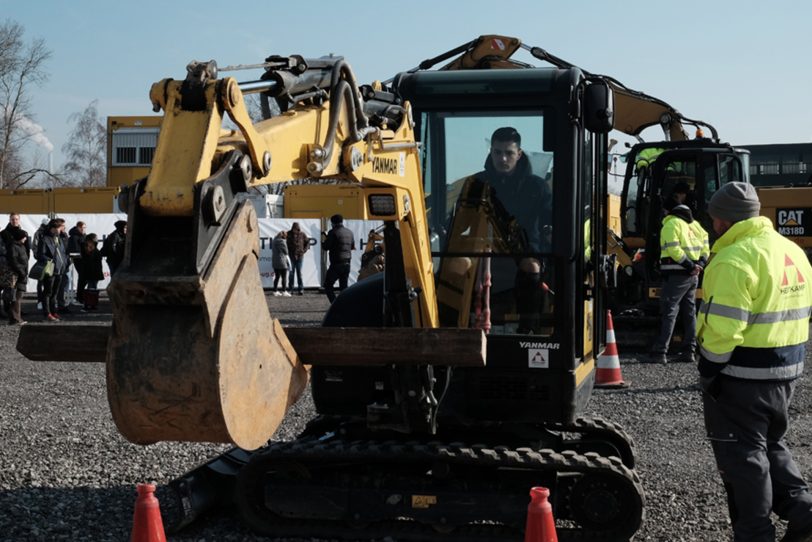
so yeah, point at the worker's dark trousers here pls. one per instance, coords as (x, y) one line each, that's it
(677, 295)
(336, 272)
(746, 422)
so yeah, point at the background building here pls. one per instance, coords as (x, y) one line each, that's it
(780, 164)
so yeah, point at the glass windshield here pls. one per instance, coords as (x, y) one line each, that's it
(489, 185)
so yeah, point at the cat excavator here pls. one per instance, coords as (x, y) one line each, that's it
(488, 368)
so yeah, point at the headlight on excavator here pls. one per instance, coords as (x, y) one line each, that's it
(382, 205)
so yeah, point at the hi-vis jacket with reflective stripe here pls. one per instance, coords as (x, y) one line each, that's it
(754, 319)
(682, 244)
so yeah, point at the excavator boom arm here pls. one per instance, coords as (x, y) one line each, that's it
(217, 367)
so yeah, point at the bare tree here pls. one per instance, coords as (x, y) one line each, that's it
(86, 149)
(21, 67)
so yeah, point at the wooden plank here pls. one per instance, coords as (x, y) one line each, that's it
(313, 345)
(384, 346)
(64, 342)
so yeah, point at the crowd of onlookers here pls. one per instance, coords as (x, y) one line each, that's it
(62, 258)
(58, 255)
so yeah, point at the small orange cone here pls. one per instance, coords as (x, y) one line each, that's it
(540, 522)
(147, 523)
(607, 374)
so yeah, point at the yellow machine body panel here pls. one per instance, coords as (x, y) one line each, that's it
(59, 200)
(789, 208)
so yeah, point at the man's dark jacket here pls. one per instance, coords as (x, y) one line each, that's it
(339, 242)
(524, 197)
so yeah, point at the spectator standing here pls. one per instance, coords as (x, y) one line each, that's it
(52, 250)
(281, 264)
(76, 238)
(65, 279)
(113, 248)
(89, 268)
(18, 262)
(753, 329)
(7, 278)
(14, 225)
(298, 244)
(43, 228)
(339, 243)
(7, 238)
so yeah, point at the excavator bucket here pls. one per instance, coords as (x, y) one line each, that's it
(215, 367)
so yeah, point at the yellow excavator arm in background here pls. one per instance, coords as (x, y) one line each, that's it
(634, 111)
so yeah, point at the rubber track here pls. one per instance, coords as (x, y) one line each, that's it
(601, 428)
(383, 452)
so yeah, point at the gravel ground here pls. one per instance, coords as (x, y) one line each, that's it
(66, 474)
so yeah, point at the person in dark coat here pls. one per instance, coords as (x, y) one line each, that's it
(525, 197)
(76, 238)
(35, 241)
(7, 239)
(298, 244)
(7, 235)
(339, 243)
(89, 268)
(522, 206)
(113, 248)
(18, 262)
(279, 259)
(65, 279)
(52, 249)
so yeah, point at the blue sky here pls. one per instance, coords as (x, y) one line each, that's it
(743, 66)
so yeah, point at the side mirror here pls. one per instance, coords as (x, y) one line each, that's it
(599, 108)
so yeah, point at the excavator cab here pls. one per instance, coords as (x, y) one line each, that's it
(519, 262)
(654, 172)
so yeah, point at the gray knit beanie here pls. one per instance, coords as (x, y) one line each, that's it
(734, 202)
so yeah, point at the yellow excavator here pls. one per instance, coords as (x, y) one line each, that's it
(446, 385)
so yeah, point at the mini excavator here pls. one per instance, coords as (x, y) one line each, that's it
(426, 441)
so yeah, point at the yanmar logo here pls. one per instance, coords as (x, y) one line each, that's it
(385, 165)
(792, 280)
(549, 346)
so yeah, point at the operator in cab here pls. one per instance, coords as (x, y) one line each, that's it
(520, 205)
(753, 329)
(526, 197)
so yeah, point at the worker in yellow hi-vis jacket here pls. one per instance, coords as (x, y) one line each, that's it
(753, 328)
(684, 252)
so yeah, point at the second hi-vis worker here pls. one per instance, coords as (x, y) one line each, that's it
(684, 252)
(753, 329)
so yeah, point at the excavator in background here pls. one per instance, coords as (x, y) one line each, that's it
(653, 171)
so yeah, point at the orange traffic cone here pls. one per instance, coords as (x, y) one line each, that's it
(147, 524)
(540, 522)
(607, 374)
